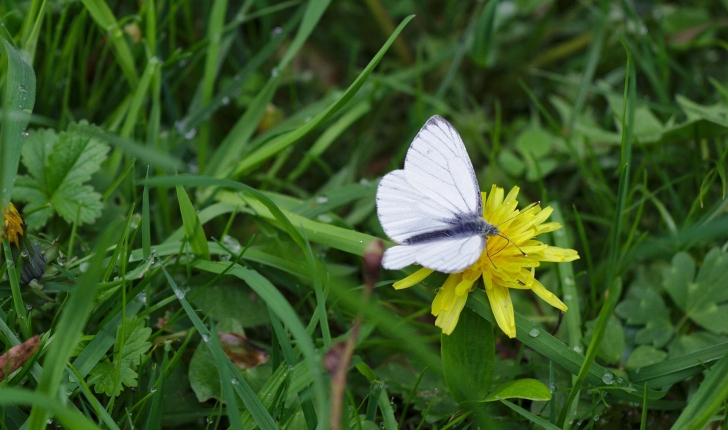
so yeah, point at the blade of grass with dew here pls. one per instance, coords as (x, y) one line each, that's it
(140, 93)
(193, 226)
(68, 331)
(311, 16)
(30, 43)
(278, 304)
(329, 136)
(18, 101)
(569, 291)
(611, 298)
(215, 27)
(144, 153)
(624, 168)
(105, 18)
(592, 60)
(276, 145)
(679, 368)
(17, 295)
(316, 270)
(530, 416)
(193, 181)
(555, 350)
(68, 417)
(707, 400)
(226, 369)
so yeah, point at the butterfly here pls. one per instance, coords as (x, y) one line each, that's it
(432, 208)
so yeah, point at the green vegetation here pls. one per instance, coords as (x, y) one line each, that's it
(200, 179)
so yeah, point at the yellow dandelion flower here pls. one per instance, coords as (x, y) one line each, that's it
(502, 265)
(12, 224)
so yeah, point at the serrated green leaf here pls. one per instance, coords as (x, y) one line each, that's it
(527, 388)
(702, 299)
(111, 377)
(468, 355)
(58, 165)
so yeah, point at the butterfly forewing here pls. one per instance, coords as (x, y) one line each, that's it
(426, 205)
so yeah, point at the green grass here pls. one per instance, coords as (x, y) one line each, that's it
(245, 141)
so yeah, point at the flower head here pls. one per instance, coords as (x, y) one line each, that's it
(508, 261)
(12, 224)
(34, 263)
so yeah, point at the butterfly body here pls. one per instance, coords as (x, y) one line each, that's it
(433, 208)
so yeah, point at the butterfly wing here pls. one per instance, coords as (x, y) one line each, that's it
(436, 190)
(447, 256)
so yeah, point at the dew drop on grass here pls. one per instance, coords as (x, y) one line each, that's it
(534, 332)
(608, 378)
(637, 370)
(234, 381)
(274, 72)
(210, 420)
(225, 101)
(205, 337)
(153, 389)
(28, 306)
(322, 199)
(180, 294)
(324, 218)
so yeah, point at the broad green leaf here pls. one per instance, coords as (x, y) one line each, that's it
(704, 298)
(58, 165)
(226, 299)
(613, 343)
(193, 226)
(644, 306)
(18, 99)
(468, 354)
(531, 389)
(645, 355)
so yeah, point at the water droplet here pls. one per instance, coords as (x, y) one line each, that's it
(225, 257)
(361, 241)
(21, 88)
(534, 332)
(210, 420)
(643, 30)
(579, 349)
(276, 31)
(153, 390)
(190, 134)
(24, 254)
(608, 378)
(274, 72)
(637, 370)
(240, 16)
(324, 218)
(180, 294)
(620, 381)
(234, 381)
(28, 306)
(567, 297)
(322, 199)
(182, 63)
(596, 417)
(290, 367)
(225, 101)
(205, 337)
(568, 281)
(382, 425)
(25, 134)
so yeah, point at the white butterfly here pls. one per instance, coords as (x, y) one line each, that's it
(432, 208)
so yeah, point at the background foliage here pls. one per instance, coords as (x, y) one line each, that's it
(209, 168)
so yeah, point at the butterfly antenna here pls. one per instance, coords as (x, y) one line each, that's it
(526, 209)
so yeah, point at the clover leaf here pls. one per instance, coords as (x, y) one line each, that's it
(58, 164)
(703, 299)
